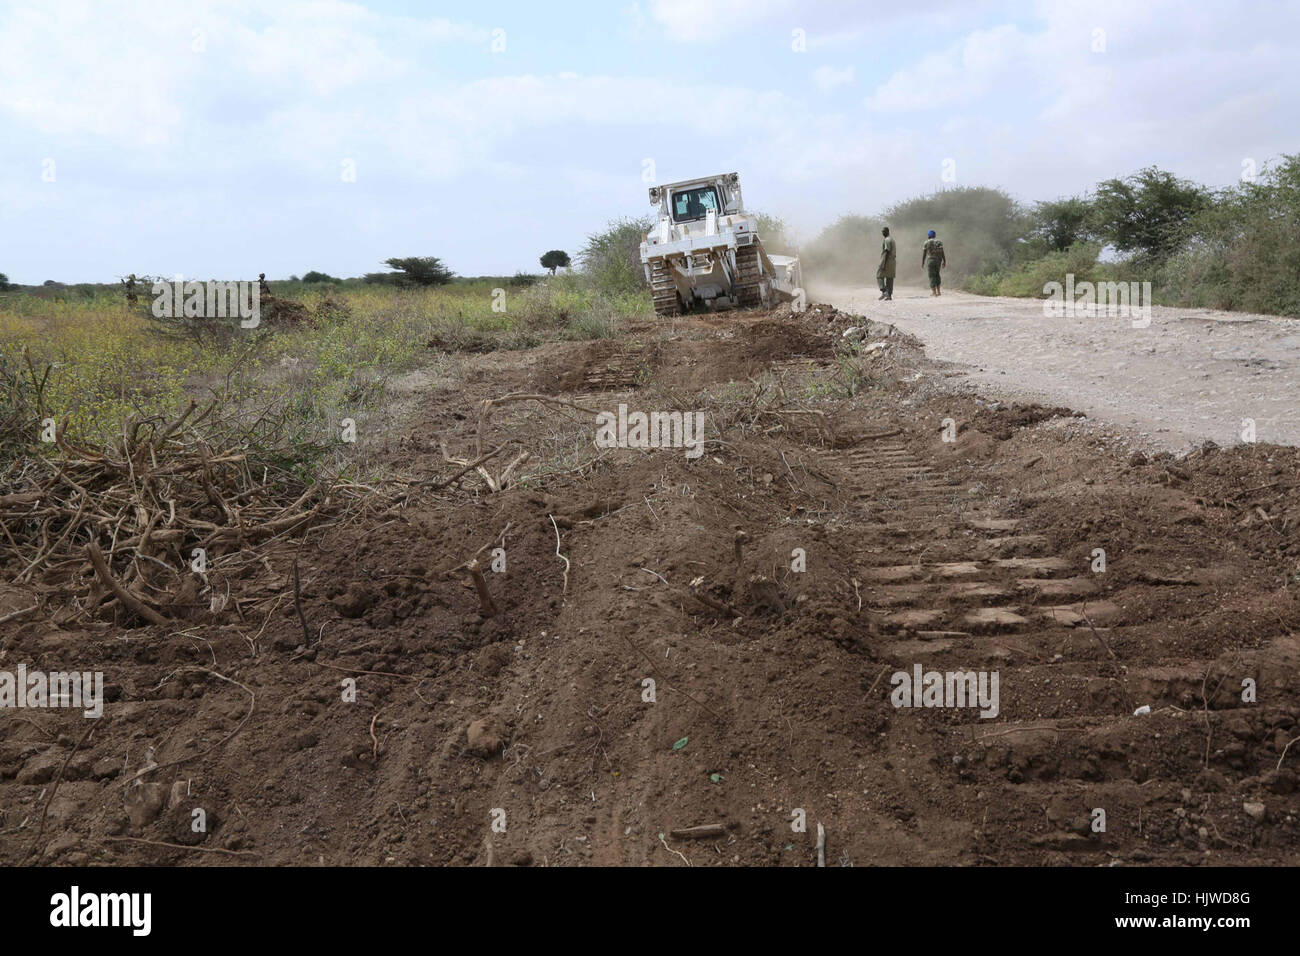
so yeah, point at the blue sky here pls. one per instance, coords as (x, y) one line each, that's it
(218, 139)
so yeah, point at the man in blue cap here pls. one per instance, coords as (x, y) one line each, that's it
(933, 259)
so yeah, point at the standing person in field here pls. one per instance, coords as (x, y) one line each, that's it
(933, 259)
(888, 266)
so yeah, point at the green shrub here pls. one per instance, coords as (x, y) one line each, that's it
(611, 259)
(1028, 278)
(1245, 248)
(1237, 248)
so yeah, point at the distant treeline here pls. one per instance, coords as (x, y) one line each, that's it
(68, 292)
(1236, 248)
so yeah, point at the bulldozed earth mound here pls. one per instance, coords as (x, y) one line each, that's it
(625, 644)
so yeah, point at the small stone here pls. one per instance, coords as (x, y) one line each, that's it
(40, 769)
(179, 793)
(1240, 728)
(105, 769)
(1211, 781)
(144, 802)
(482, 739)
(287, 640)
(1280, 781)
(355, 601)
(1256, 811)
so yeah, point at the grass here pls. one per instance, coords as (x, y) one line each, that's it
(105, 363)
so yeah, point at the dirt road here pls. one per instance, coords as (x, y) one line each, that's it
(1192, 374)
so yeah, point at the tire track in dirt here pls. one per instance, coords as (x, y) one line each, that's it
(955, 588)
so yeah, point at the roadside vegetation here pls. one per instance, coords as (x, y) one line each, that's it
(1236, 248)
(94, 363)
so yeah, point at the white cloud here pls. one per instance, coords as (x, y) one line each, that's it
(965, 71)
(704, 21)
(634, 18)
(826, 23)
(828, 78)
(81, 67)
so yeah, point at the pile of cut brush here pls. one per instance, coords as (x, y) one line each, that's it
(160, 524)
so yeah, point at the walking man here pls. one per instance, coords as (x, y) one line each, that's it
(933, 259)
(888, 266)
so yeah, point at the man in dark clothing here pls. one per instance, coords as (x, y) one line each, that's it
(933, 259)
(888, 266)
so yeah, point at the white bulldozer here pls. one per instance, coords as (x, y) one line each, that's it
(705, 251)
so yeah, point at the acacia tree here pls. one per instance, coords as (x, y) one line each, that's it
(1060, 223)
(1148, 212)
(413, 270)
(555, 259)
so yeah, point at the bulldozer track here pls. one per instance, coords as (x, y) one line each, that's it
(938, 559)
(748, 274)
(944, 573)
(947, 580)
(622, 370)
(663, 289)
(952, 584)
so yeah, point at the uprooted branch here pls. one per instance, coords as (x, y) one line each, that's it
(485, 410)
(151, 525)
(478, 461)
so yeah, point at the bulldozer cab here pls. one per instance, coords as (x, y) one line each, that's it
(694, 203)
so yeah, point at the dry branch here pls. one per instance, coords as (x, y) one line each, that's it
(706, 831)
(486, 607)
(115, 529)
(126, 597)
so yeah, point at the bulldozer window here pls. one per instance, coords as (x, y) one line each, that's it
(695, 203)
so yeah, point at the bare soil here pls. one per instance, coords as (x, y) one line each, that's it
(772, 687)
